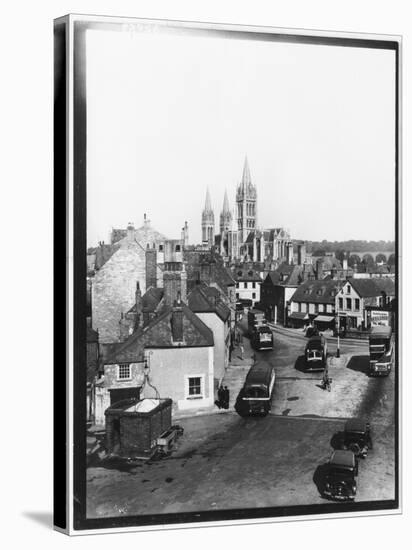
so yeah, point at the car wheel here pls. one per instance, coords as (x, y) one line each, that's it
(355, 448)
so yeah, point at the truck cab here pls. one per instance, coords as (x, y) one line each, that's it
(380, 351)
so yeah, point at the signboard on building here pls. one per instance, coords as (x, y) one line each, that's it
(379, 318)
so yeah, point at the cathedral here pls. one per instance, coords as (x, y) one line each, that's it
(241, 238)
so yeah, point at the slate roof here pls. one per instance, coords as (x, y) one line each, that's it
(158, 334)
(285, 275)
(204, 299)
(370, 288)
(318, 292)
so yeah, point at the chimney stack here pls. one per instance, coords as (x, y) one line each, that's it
(289, 248)
(319, 269)
(124, 328)
(174, 282)
(130, 232)
(138, 301)
(301, 253)
(151, 267)
(177, 320)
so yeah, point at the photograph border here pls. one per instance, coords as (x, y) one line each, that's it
(70, 157)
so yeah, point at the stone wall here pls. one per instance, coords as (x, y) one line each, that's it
(113, 290)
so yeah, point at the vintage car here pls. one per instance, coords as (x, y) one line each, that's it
(340, 482)
(315, 353)
(357, 437)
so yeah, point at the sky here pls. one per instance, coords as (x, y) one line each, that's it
(169, 116)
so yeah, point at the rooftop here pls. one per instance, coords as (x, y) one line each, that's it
(318, 292)
(158, 334)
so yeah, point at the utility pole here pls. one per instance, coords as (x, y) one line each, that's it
(338, 348)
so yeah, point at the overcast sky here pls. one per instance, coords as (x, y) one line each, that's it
(169, 116)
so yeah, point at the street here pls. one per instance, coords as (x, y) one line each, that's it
(224, 461)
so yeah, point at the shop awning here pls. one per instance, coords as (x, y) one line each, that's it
(299, 315)
(324, 318)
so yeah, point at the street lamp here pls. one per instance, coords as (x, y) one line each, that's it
(338, 348)
(337, 312)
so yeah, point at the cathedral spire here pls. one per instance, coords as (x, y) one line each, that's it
(208, 202)
(226, 208)
(246, 179)
(208, 222)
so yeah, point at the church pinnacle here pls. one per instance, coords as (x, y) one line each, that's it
(225, 215)
(208, 222)
(246, 179)
(208, 202)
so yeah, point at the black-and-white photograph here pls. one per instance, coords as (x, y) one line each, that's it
(241, 292)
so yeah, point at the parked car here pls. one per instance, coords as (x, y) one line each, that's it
(340, 478)
(357, 437)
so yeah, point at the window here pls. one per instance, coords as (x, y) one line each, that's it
(237, 295)
(253, 295)
(348, 289)
(237, 285)
(316, 308)
(348, 303)
(340, 303)
(357, 304)
(124, 372)
(194, 387)
(160, 248)
(244, 285)
(299, 306)
(177, 248)
(253, 285)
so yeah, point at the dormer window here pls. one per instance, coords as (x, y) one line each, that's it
(319, 292)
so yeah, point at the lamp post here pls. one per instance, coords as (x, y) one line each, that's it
(338, 348)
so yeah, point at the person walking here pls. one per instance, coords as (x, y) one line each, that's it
(242, 349)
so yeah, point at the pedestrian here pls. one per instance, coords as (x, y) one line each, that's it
(241, 351)
(226, 397)
(220, 397)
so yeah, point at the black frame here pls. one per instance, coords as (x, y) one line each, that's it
(77, 408)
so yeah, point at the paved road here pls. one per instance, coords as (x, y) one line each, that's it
(224, 461)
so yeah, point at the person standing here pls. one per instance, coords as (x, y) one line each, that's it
(226, 397)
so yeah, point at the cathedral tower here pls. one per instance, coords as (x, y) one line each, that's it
(246, 199)
(208, 222)
(233, 239)
(225, 216)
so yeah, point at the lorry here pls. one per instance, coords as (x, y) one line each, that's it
(316, 353)
(381, 353)
(255, 319)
